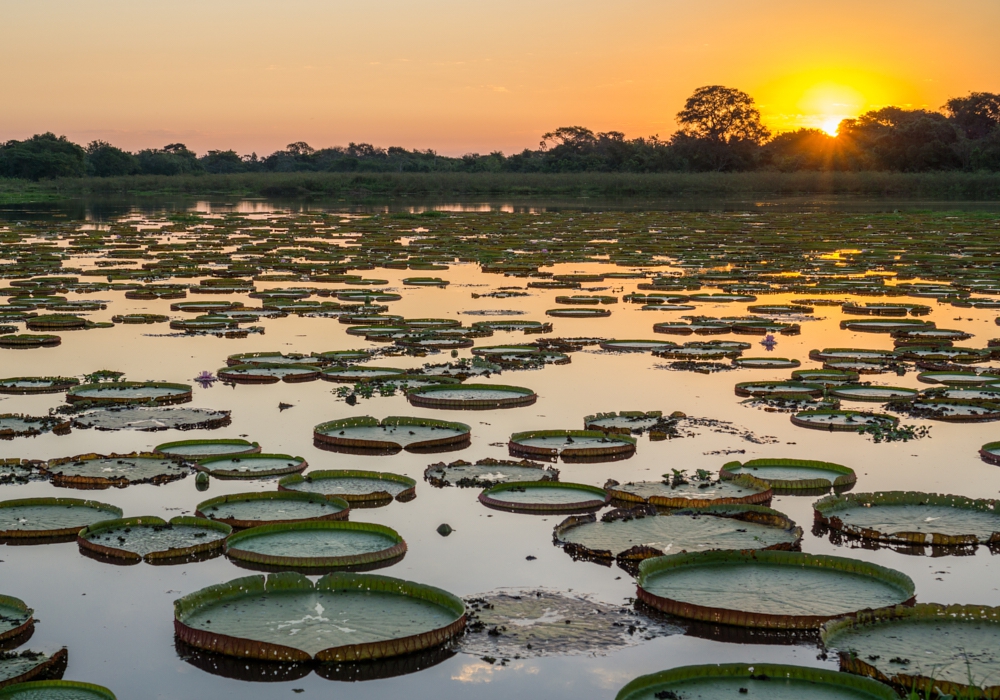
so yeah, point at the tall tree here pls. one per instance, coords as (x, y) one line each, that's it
(977, 114)
(723, 114)
(42, 156)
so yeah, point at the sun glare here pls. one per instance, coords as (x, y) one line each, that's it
(830, 124)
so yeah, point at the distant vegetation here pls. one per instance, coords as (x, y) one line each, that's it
(720, 131)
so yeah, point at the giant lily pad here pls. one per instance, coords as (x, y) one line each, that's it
(16, 618)
(355, 486)
(341, 373)
(771, 388)
(487, 472)
(56, 690)
(958, 378)
(317, 545)
(636, 345)
(624, 422)
(243, 510)
(130, 392)
(845, 421)
(572, 445)
(367, 434)
(990, 452)
(26, 341)
(682, 491)
(274, 358)
(909, 517)
(197, 449)
(880, 394)
(771, 681)
(261, 373)
(772, 589)
(152, 418)
(793, 474)
(148, 538)
(22, 666)
(544, 497)
(250, 466)
(584, 312)
(347, 617)
(100, 471)
(36, 385)
(471, 396)
(928, 649)
(640, 534)
(14, 425)
(51, 517)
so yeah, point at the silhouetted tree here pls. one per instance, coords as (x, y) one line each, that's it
(224, 162)
(976, 114)
(42, 156)
(722, 114)
(172, 159)
(893, 138)
(105, 160)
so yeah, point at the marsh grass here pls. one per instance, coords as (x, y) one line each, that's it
(963, 186)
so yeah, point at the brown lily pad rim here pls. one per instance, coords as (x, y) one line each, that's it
(322, 432)
(425, 396)
(766, 362)
(929, 378)
(846, 478)
(395, 551)
(259, 373)
(599, 497)
(745, 389)
(844, 392)
(746, 512)
(182, 394)
(825, 512)
(56, 385)
(342, 514)
(800, 419)
(761, 494)
(252, 447)
(987, 455)
(256, 358)
(579, 312)
(288, 484)
(922, 611)
(617, 444)
(335, 374)
(50, 469)
(152, 521)
(18, 604)
(290, 582)
(645, 686)
(61, 502)
(741, 618)
(55, 665)
(97, 692)
(28, 340)
(204, 464)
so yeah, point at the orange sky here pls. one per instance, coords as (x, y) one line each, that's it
(464, 76)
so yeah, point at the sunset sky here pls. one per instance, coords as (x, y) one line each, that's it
(460, 76)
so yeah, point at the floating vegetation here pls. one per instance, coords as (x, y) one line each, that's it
(844, 421)
(571, 445)
(471, 396)
(356, 486)
(869, 392)
(268, 374)
(152, 539)
(765, 363)
(152, 418)
(912, 518)
(772, 589)
(635, 422)
(636, 345)
(130, 392)
(16, 618)
(773, 681)
(630, 536)
(758, 389)
(990, 453)
(37, 385)
(244, 510)
(367, 435)
(698, 490)
(928, 649)
(516, 623)
(341, 373)
(37, 518)
(544, 497)
(58, 690)
(19, 667)
(957, 378)
(27, 341)
(94, 471)
(487, 472)
(14, 425)
(250, 465)
(793, 475)
(139, 319)
(584, 312)
(206, 448)
(318, 545)
(294, 359)
(365, 617)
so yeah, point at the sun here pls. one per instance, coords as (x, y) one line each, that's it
(831, 124)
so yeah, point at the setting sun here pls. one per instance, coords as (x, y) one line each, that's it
(830, 124)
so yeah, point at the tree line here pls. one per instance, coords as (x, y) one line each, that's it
(720, 130)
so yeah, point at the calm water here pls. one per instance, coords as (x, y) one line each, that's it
(117, 621)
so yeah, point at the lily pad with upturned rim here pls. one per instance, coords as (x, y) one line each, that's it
(792, 474)
(486, 473)
(102, 471)
(544, 497)
(207, 448)
(16, 618)
(356, 486)
(36, 385)
(571, 444)
(842, 421)
(32, 518)
(245, 510)
(388, 617)
(878, 394)
(149, 538)
(471, 396)
(369, 435)
(27, 341)
(765, 363)
(317, 545)
(261, 373)
(771, 681)
(771, 589)
(56, 690)
(250, 466)
(152, 418)
(130, 392)
(693, 492)
(23, 666)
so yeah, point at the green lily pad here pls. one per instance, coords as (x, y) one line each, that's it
(773, 589)
(56, 690)
(250, 466)
(22, 666)
(572, 444)
(317, 545)
(36, 385)
(879, 394)
(487, 472)
(845, 421)
(15, 617)
(130, 392)
(152, 418)
(14, 425)
(207, 448)
(793, 474)
(346, 617)
(686, 491)
(51, 517)
(367, 434)
(355, 486)
(100, 471)
(471, 396)
(148, 538)
(770, 681)
(341, 373)
(243, 510)
(261, 373)
(544, 497)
